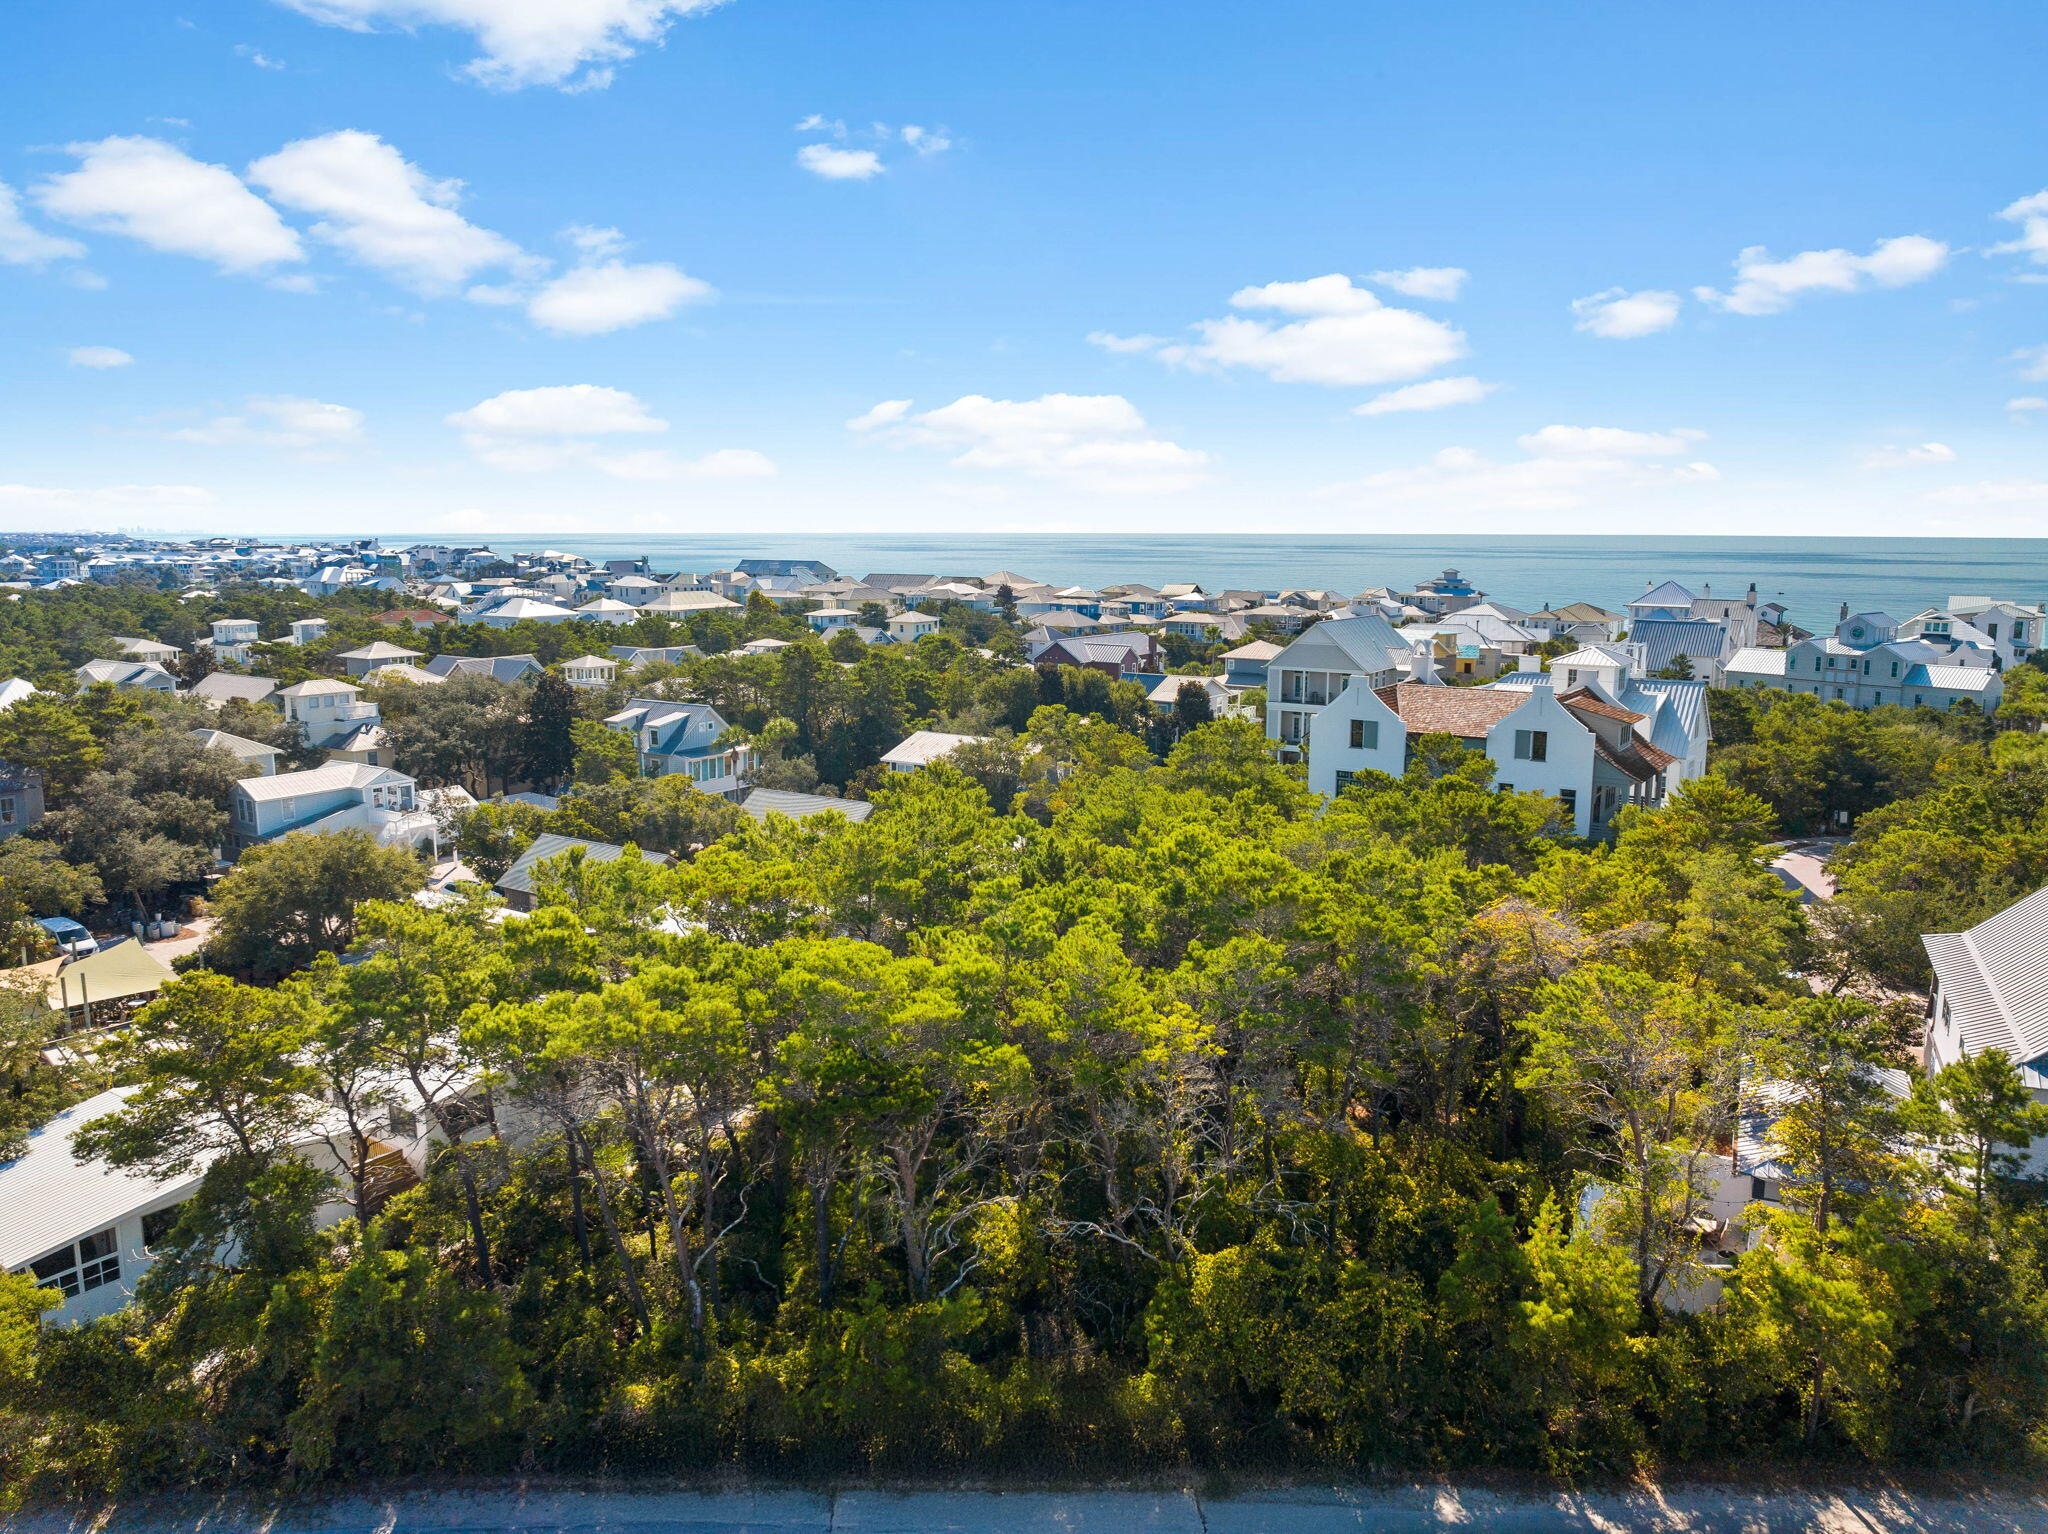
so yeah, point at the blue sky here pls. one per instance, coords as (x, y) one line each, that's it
(528, 266)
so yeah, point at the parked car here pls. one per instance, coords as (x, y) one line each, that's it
(69, 935)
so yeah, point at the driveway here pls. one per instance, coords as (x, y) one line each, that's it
(1421, 1508)
(1803, 867)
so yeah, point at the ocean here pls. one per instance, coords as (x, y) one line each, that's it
(1811, 576)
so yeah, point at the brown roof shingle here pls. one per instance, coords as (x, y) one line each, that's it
(1467, 712)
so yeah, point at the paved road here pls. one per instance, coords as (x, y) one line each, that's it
(1415, 1509)
(1803, 868)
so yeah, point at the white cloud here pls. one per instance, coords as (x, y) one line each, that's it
(1619, 315)
(2026, 405)
(147, 190)
(567, 43)
(888, 413)
(925, 141)
(611, 295)
(281, 420)
(1460, 481)
(1109, 341)
(2031, 214)
(21, 504)
(837, 164)
(21, 244)
(254, 56)
(560, 410)
(1607, 442)
(2033, 361)
(1995, 492)
(1091, 442)
(1344, 336)
(98, 357)
(1764, 286)
(1438, 282)
(1434, 395)
(535, 430)
(384, 211)
(1892, 456)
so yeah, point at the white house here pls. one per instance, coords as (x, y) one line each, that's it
(1871, 660)
(829, 620)
(309, 630)
(151, 650)
(234, 638)
(522, 609)
(1991, 992)
(590, 671)
(1166, 694)
(1310, 672)
(607, 610)
(921, 748)
(327, 712)
(335, 796)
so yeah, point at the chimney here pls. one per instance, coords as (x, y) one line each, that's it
(1422, 664)
(1845, 612)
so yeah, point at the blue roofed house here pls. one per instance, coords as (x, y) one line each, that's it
(684, 738)
(1310, 672)
(1661, 643)
(335, 796)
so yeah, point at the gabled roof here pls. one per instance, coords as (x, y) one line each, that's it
(518, 878)
(678, 728)
(318, 685)
(381, 650)
(248, 750)
(920, 748)
(1586, 701)
(1366, 640)
(1591, 657)
(1257, 649)
(1577, 612)
(1994, 979)
(1663, 640)
(505, 668)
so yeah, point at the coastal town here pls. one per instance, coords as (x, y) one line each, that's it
(248, 791)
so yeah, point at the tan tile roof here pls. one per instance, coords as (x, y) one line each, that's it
(1467, 712)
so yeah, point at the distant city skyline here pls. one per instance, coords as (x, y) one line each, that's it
(518, 269)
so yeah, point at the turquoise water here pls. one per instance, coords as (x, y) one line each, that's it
(1811, 576)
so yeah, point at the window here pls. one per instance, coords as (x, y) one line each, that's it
(159, 1223)
(1571, 676)
(1532, 745)
(1344, 780)
(1760, 1189)
(1365, 735)
(1895, 668)
(91, 1262)
(6, 812)
(1569, 798)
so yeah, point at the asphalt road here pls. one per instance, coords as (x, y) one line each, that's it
(1415, 1509)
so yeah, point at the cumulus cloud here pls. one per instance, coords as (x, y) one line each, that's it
(149, 191)
(535, 430)
(602, 296)
(1764, 286)
(571, 44)
(836, 163)
(1562, 471)
(1619, 315)
(2033, 361)
(1091, 442)
(1340, 335)
(1434, 395)
(98, 357)
(22, 244)
(382, 210)
(283, 421)
(2031, 214)
(1443, 283)
(1892, 456)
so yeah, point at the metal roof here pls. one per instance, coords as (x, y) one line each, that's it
(763, 802)
(325, 778)
(922, 747)
(519, 877)
(47, 1198)
(1994, 979)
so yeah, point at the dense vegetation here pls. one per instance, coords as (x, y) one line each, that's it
(1155, 1112)
(1104, 1101)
